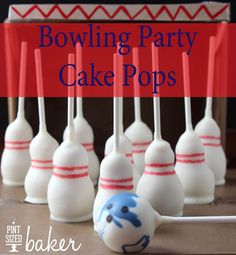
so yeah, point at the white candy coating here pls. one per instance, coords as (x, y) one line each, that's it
(116, 175)
(140, 136)
(196, 177)
(15, 160)
(125, 147)
(165, 192)
(70, 198)
(126, 223)
(209, 133)
(84, 135)
(42, 149)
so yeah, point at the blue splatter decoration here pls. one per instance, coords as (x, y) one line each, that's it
(138, 246)
(118, 207)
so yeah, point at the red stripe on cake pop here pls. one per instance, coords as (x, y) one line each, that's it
(119, 187)
(141, 144)
(88, 146)
(17, 142)
(42, 167)
(128, 155)
(159, 165)
(70, 168)
(212, 144)
(17, 148)
(41, 161)
(189, 155)
(116, 180)
(160, 173)
(190, 161)
(210, 137)
(139, 151)
(70, 176)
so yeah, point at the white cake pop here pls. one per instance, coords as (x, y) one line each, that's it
(165, 192)
(83, 131)
(125, 143)
(196, 177)
(15, 160)
(42, 149)
(138, 132)
(70, 190)
(208, 130)
(126, 222)
(126, 149)
(116, 172)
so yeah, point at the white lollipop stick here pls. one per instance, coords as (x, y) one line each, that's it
(187, 100)
(116, 105)
(137, 104)
(125, 239)
(198, 219)
(210, 76)
(70, 102)
(23, 63)
(156, 98)
(120, 90)
(220, 36)
(79, 63)
(39, 77)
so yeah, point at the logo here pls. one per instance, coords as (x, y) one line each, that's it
(13, 237)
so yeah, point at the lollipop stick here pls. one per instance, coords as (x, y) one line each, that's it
(137, 107)
(70, 102)
(116, 104)
(220, 36)
(120, 89)
(187, 100)
(23, 62)
(156, 98)
(39, 78)
(210, 76)
(200, 219)
(79, 64)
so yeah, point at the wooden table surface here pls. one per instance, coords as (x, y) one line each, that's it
(168, 239)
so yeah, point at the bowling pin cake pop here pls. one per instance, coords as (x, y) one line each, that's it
(196, 177)
(208, 130)
(15, 160)
(165, 192)
(126, 222)
(138, 132)
(70, 190)
(83, 131)
(125, 143)
(42, 148)
(116, 172)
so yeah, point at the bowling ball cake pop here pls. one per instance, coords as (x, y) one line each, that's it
(126, 223)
